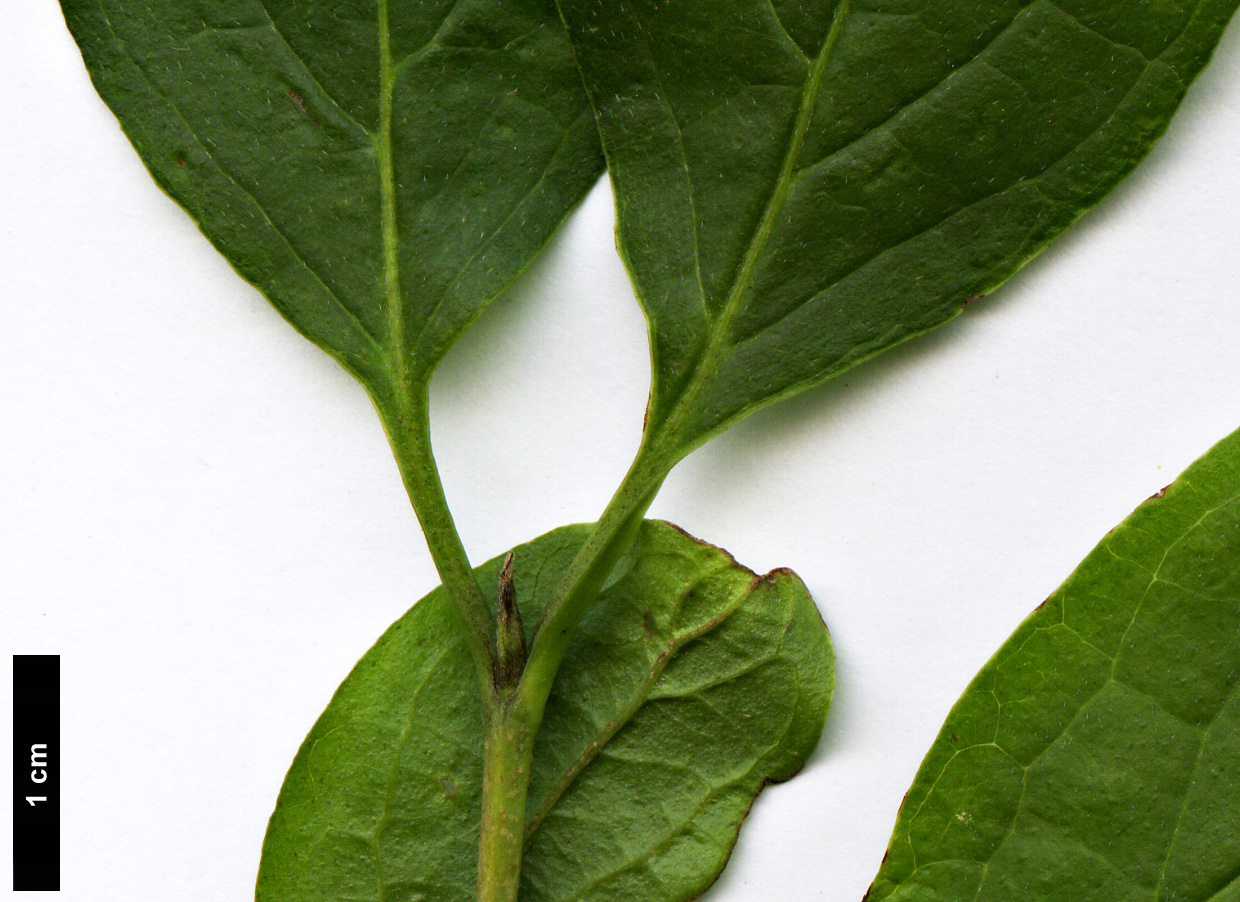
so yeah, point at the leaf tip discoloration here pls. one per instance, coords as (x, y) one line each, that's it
(782, 573)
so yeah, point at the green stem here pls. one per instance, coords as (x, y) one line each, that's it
(512, 719)
(512, 715)
(408, 430)
(610, 538)
(508, 752)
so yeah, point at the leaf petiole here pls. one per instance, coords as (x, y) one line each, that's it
(608, 541)
(512, 716)
(408, 430)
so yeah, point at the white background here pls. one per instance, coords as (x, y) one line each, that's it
(198, 510)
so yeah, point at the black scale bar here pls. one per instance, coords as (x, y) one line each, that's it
(36, 772)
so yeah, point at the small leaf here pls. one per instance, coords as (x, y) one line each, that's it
(380, 171)
(1097, 755)
(802, 185)
(689, 687)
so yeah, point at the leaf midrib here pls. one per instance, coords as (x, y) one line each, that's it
(1029, 180)
(675, 643)
(718, 335)
(719, 341)
(387, 193)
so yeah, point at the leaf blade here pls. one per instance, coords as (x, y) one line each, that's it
(411, 792)
(1112, 773)
(946, 146)
(267, 130)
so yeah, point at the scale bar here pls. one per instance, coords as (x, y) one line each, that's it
(36, 772)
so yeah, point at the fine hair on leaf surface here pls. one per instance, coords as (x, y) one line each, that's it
(798, 188)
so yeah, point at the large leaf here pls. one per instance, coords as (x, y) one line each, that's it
(691, 685)
(380, 169)
(1097, 756)
(801, 185)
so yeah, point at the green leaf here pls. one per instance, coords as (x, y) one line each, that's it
(380, 174)
(691, 685)
(1097, 755)
(802, 185)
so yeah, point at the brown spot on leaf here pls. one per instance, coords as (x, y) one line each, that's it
(182, 162)
(648, 625)
(301, 105)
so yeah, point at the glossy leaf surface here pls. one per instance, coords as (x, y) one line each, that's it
(802, 185)
(691, 684)
(379, 169)
(1097, 755)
